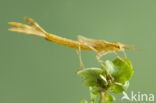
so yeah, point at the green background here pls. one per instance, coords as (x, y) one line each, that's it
(33, 70)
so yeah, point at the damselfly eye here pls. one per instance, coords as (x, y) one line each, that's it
(118, 47)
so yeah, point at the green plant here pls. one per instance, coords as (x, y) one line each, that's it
(102, 85)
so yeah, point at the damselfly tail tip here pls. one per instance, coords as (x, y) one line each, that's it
(29, 20)
(12, 23)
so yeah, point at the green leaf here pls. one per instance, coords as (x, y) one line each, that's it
(123, 70)
(91, 76)
(95, 90)
(90, 72)
(109, 98)
(109, 66)
(95, 80)
(119, 88)
(90, 82)
(83, 101)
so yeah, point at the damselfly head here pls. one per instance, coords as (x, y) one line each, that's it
(118, 46)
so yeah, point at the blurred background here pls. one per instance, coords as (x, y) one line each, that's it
(33, 70)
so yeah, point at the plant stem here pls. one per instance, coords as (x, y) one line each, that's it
(102, 96)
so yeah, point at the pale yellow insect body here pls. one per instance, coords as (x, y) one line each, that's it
(101, 47)
(83, 43)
